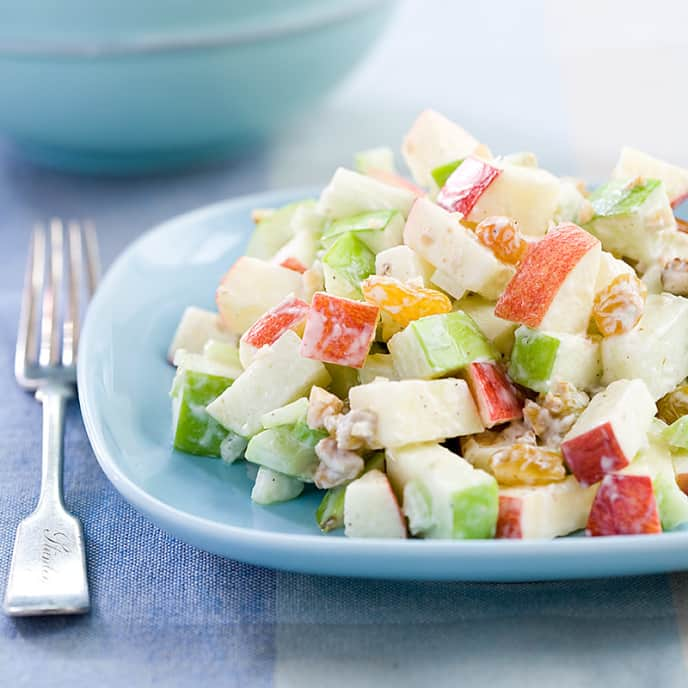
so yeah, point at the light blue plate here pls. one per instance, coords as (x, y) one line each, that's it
(124, 382)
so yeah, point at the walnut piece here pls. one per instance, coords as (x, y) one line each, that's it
(675, 277)
(321, 406)
(337, 466)
(555, 412)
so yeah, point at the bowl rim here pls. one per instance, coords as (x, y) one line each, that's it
(313, 19)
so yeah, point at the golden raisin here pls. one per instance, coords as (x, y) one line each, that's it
(502, 237)
(403, 302)
(527, 464)
(619, 306)
(674, 404)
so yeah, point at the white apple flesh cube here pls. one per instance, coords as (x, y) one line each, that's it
(404, 264)
(371, 509)
(443, 495)
(239, 301)
(300, 251)
(539, 359)
(277, 376)
(196, 327)
(350, 193)
(635, 163)
(656, 460)
(433, 141)
(553, 288)
(545, 511)
(610, 268)
(272, 487)
(479, 189)
(610, 431)
(439, 237)
(573, 206)
(629, 217)
(432, 410)
(655, 350)
(375, 159)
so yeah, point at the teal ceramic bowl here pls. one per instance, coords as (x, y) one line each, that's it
(124, 86)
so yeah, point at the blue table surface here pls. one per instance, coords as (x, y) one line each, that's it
(167, 614)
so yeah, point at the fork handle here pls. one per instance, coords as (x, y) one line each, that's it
(54, 399)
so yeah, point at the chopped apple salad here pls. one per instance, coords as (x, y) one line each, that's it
(487, 351)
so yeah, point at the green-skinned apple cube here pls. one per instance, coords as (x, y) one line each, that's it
(499, 331)
(343, 379)
(676, 434)
(330, 512)
(441, 173)
(540, 358)
(272, 487)
(378, 230)
(656, 461)
(629, 215)
(439, 345)
(277, 376)
(377, 365)
(195, 431)
(346, 264)
(463, 500)
(634, 163)
(350, 193)
(655, 350)
(275, 230)
(433, 410)
(287, 449)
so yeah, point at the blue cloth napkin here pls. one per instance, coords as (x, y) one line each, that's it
(166, 614)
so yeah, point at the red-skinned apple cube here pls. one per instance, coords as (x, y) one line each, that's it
(466, 185)
(287, 315)
(610, 431)
(509, 518)
(497, 399)
(553, 288)
(593, 454)
(339, 330)
(624, 505)
(294, 264)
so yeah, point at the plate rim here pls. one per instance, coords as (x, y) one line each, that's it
(174, 520)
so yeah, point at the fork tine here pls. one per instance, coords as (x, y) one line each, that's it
(26, 350)
(92, 256)
(50, 336)
(71, 326)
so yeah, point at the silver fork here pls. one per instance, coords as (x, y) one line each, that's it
(48, 569)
